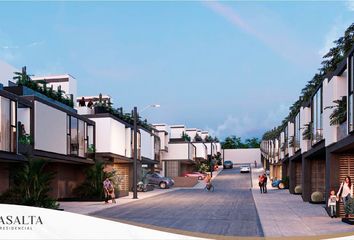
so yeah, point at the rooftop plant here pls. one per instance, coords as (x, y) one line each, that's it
(330, 62)
(23, 79)
(339, 114)
(307, 133)
(185, 137)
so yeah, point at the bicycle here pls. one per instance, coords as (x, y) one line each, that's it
(209, 187)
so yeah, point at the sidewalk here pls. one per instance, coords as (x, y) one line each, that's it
(284, 214)
(90, 207)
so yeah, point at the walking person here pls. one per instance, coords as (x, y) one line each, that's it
(108, 191)
(261, 182)
(332, 203)
(265, 180)
(345, 192)
(255, 164)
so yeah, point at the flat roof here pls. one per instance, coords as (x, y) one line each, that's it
(66, 75)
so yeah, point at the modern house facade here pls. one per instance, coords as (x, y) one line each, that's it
(45, 128)
(183, 148)
(115, 142)
(317, 145)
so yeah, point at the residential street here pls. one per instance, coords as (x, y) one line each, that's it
(229, 210)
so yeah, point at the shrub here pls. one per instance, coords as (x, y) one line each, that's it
(92, 187)
(317, 197)
(298, 189)
(32, 186)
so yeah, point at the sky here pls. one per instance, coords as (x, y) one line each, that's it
(232, 68)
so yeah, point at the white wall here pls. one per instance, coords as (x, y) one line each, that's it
(201, 150)
(176, 132)
(50, 129)
(128, 144)
(110, 136)
(332, 90)
(176, 151)
(291, 133)
(147, 144)
(191, 133)
(239, 156)
(305, 118)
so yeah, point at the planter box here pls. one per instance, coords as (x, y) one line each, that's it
(25, 149)
(322, 202)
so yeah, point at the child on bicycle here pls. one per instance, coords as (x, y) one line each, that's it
(208, 181)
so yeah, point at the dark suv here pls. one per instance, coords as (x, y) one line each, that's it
(228, 164)
(157, 179)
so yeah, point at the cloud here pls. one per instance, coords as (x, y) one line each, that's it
(247, 126)
(34, 44)
(269, 30)
(350, 5)
(335, 31)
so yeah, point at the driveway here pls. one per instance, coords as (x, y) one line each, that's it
(229, 210)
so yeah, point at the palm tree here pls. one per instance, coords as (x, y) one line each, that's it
(22, 77)
(339, 114)
(33, 184)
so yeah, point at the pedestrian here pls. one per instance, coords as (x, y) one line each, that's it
(82, 102)
(255, 164)
(108, 190)
(265, 180)
(208, 181)
(332, 203)
(90, 104)
(260, 182)
(345, 192)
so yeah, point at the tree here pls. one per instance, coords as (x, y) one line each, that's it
(32, 186)
(253, 142)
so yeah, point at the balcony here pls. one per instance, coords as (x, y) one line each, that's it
(342, 131)
(317, 136)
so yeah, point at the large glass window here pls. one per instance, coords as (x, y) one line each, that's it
(350, 94)
(8, 128)
(297, 132)
(81, 138)
(317, 110)
(74, 141)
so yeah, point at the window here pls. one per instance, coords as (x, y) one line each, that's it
(317, 111)
(77, 137)
(350, 94)
(297, 132)
(8, 130)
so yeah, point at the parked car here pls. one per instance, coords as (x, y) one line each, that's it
(198, 175)
(228, 164)
(158, 180)
(245, 169)
(278, 183)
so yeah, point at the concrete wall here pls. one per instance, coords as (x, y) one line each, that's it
(201, 150)
(176, 151)
(50, 123)
(332, 90)
(110, 136)
(176, 131)
(147, 144)
(238, 156)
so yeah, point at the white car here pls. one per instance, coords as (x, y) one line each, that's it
(244, 169)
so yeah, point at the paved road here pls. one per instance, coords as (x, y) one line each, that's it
(228, 211)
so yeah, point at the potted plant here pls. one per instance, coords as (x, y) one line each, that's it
(339, 114)
(307, 134)
(185, 137)
(298, 190)
(317, 197)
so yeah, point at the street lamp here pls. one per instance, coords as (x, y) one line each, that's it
(135, 154)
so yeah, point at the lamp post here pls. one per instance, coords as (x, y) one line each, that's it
(135, 144)
(135, 154)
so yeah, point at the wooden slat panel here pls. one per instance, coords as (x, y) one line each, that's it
(318, 174)
(346, 168)
(298, 171)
